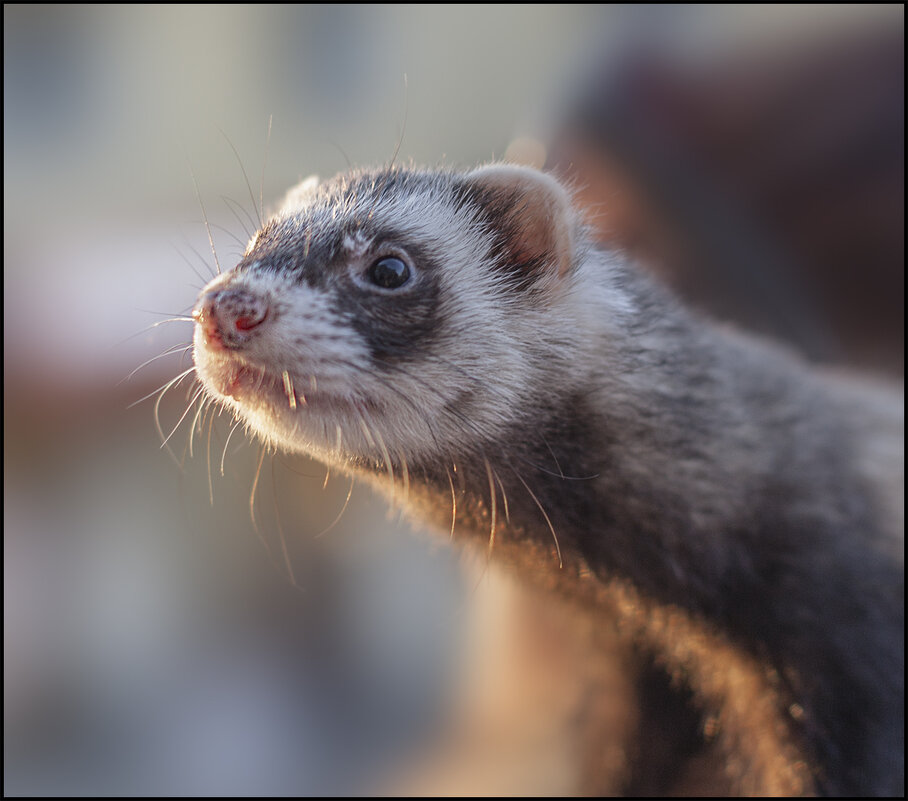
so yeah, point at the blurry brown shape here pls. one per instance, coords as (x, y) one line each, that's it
(766, 187)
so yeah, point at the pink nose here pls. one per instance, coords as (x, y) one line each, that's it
(229, 317)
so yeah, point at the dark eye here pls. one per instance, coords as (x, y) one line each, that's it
(389, 273)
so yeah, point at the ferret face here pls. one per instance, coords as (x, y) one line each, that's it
(386, 314)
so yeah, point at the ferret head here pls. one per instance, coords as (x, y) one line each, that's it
(403, 314)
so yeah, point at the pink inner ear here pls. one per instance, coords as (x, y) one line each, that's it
(539, 230)
(543, 223)
(538, 214)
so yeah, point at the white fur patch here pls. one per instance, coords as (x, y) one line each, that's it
(356, 245)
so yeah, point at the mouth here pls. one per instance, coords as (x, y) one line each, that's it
(252, 387)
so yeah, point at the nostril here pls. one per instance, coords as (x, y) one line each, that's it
(247, 322)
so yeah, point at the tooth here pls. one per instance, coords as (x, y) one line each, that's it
(288, 388)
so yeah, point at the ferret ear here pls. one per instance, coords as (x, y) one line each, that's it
(300, 194)
(534, 213)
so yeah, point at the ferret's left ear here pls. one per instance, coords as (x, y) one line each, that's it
(300, 195)
(533, 211)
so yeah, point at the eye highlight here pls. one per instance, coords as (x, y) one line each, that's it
(389, 272)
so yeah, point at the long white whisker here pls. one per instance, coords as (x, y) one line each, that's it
(400, 139)
(157, 412)
(243, 170)
(179, 318)
(205, 216)
(340, 514)
(453, 504)
(374, 435)
(255, 524)
(264, 165)
(236, 425)
(504, 497)
(195, 397)
(388, 463)
(202, 406)
(280, 530)
(405, 473)
(168, 352)
(230, 203)
(208, 453)
(169, 315)
(201, 258)
(493, 506)
(230, 233)
(165, 387)
(365, 428)
(185, 258)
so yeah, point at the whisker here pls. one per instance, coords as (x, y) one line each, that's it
(406, 480)
(366, 432)
(371, 437)
(243, 170)
(163, 388)
(208, 453)
(504, 497)
(205, 217)
(280, 530)
(541, 469)
(492, 508)
(201, 258)
(255, 525)
(183, 317)
(230, 233)
(168, 352)
(387, 457)
(554, 458)
(145, 329)
(400, 140)
(453, 504)
(183, 416)
(343, 154)
(157, 412)
(202, 406)
(375, 436)
(264, 165)
(192, 267)
(341, 513)
(231, 203)
(547, 520)
(236, 425)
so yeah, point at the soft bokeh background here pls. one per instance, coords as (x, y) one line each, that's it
(154, 641)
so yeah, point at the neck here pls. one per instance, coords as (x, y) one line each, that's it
(645, 518)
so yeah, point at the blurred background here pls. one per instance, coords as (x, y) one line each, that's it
(157, 639)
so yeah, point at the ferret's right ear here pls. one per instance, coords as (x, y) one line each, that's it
(300, 194)
(532, 211)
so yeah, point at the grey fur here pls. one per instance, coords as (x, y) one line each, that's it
(736, 515)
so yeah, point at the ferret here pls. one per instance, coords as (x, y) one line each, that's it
(734, 515)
